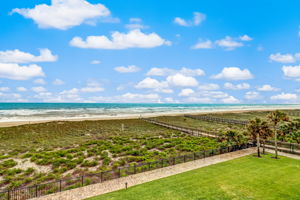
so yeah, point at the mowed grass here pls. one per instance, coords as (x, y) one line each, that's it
(243, 178)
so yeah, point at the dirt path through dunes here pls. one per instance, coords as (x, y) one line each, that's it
(117, 184)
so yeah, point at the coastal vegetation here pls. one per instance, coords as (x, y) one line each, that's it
(38, 153)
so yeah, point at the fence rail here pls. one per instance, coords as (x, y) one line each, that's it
(286, 147)
(24, 193)
(296, 114)
(218, 119)
(190, 131)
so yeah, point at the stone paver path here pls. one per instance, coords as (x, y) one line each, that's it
(117, 184)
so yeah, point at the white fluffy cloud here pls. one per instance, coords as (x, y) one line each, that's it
(210, 86)
(151, 83)
(140, 98)
(4, 89)
(267, 88)
(39, 81)
(241, 86)
(17, 56)
(233, 73)
(186, 92)
(283, 58)
(230, 99)
(157, 86)
(198, 19)
(133, 39)
(21, 89)
(285, 96)
(38, 89)
(291, 71)
(182, 80)
(251, 95)
(63, 14)
(129, 69)
(95, 62)
(203, 45)
(18, 72)
(58, 82)
(229, 43)
(92, 89)
(245, 38)
(167, 72)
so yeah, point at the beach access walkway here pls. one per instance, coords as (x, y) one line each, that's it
(194, 132)
(136, 179)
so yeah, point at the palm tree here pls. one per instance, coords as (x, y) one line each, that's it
(255, 128)
(275, 118)
(233, 137)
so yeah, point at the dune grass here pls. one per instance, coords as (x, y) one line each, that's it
(57, 150)
(248, 177)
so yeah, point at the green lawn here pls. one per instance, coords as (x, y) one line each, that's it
(244, 178)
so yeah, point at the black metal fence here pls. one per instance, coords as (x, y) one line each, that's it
(190, 131)
(284, 147)
(75, 182)
(218, 119)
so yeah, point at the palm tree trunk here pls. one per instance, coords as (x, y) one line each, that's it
(258, 145)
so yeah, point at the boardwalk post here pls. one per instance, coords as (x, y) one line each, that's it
(60, 185)
(36, 190)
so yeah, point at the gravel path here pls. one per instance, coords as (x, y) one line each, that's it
(117, 184)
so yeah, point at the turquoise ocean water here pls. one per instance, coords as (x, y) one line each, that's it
(50, 111)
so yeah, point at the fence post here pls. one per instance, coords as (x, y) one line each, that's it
(8, 194)
(119, 172)
(82, 180)
(101, 177)
(60, 185)
(134, 168)
(36, 190)
(194, 155)
(174, 159)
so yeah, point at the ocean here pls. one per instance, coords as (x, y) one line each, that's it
(13, 112)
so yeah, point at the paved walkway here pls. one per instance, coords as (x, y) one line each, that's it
(284, 154)
(117, 184)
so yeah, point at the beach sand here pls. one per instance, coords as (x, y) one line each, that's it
(135, 116)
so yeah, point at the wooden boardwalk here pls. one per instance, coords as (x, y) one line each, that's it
(193, 132)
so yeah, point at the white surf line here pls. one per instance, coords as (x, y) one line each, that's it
(136, 179)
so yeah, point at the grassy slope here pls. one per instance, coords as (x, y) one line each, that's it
(243, 178)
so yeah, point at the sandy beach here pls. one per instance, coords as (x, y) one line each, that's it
(135, 116)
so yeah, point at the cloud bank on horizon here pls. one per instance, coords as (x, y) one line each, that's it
(98, 51)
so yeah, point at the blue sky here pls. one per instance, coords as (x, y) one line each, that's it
(150, 51)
